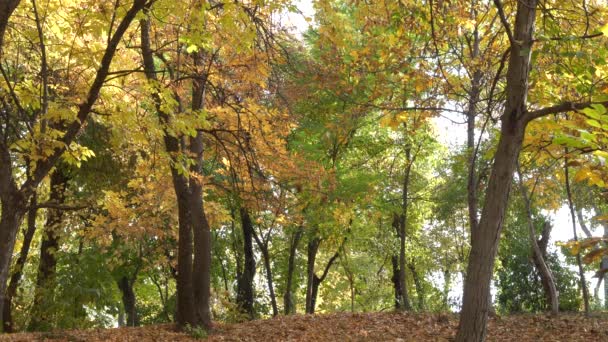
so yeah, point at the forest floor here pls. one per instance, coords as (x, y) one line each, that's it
(352, 327)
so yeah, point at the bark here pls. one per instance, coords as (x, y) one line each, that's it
(288, 299)
(245, 283)
(538, 255)
(45, 280)
(579, 262)
(129, 301)
(19, 265)
(396, 282)
(485, 239)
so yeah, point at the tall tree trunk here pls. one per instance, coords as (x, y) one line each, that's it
(485, 238)
(405, 300)
(288, 299)
(546, 275)
(579, 262)
(191, 308)
(200, 225)
(19, 265)
(245, 284)
(47, 268)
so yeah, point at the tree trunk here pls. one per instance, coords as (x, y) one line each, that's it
(191, 309)
(128, 300)
(579, 262)
(245, 284)
(19, 265)
(45, 281)
(546, 275)
(273, 298)
(396, 282)
(405, 300)
(314, 281)
(13, 211)
(200, 225)
(485, 239)
(288, 300)
(313, 247)
(419, 286)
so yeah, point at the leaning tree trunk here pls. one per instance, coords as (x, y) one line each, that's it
(47, 268)
(485, 238)
(244, 297)
(266, 258)
(546, 275)
(11, 291)
(288, 300)
(13, 211)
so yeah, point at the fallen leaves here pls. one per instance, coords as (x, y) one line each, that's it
(402, 327)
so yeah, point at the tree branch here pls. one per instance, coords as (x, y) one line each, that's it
(560, 108)
(503, 20)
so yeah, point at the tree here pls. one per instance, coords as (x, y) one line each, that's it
(47, 149)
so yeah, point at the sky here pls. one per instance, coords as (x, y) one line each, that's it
(451, 131)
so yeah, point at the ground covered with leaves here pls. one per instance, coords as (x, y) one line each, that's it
(351, 327)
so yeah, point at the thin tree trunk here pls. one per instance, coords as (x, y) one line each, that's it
(273, 298)
(546, 275)
(19, 265)
(314, 281)
(485, 239)
(45, 281)
(313, 247)
(579, 262)
(419, 286)
(288, 299)
(245, 284)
